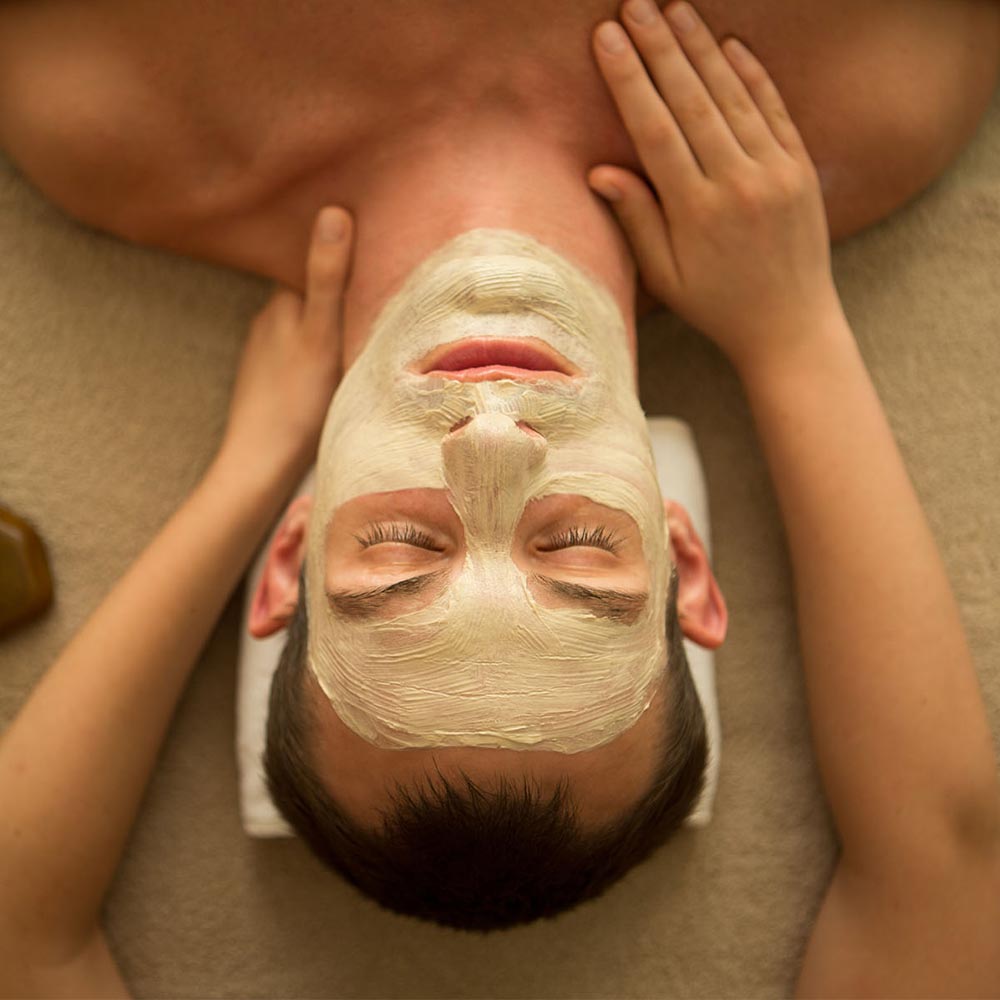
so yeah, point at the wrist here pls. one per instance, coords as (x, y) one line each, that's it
(808, 344)
(245, 478)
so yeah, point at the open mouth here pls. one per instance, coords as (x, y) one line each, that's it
(480, 360)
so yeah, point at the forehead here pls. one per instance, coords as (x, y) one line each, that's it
(603, 782)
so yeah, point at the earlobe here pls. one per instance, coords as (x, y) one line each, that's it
(701, 608)
(277, 591)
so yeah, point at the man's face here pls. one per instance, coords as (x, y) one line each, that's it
(487, 558)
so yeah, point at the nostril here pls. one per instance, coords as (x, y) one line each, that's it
(485, 420)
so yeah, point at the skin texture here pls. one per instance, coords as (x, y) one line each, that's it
(425, 120)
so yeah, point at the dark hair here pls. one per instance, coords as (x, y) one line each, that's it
(470, 858)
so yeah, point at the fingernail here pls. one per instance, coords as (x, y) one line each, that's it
(736, 49)
(681, 17)
(331, 226)
(607, 190)
(641, 11)
(611, 36)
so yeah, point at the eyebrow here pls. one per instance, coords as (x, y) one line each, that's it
(366, 603)
(618, 605)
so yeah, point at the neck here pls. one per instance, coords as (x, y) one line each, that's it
(491, 175)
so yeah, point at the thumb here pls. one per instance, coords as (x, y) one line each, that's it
(327, 269)
(641, 216)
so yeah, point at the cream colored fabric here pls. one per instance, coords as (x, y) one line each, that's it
(115, 370)
(680, 478)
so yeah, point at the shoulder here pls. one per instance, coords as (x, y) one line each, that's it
(83, 122)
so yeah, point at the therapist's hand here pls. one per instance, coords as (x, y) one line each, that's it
(735, 237)
(291, 363)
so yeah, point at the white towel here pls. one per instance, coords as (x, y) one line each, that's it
(679, 472)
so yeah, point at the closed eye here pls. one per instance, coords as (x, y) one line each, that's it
(405, 534)
(598, 538)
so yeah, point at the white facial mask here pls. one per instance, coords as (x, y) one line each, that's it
(483, 663)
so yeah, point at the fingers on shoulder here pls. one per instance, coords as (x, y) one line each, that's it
(329, 252)
(765, 94)
(283, 308)
(328, 267)
(642, 218)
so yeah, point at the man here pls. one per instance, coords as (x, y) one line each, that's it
(487, 573)
(745, 172)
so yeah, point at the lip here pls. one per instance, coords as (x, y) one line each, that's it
(478, 359)
(490, 373)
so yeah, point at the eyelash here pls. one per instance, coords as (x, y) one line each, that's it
(598, 537)
(408, 534)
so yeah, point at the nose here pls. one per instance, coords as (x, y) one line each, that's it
(488, 464)
(488, 438)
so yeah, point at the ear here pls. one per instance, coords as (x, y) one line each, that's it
(277, 591)
(700, 604)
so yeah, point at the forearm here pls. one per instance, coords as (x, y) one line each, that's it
(75, 762)
(898, 723)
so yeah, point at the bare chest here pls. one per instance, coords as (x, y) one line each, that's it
(204, 121)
